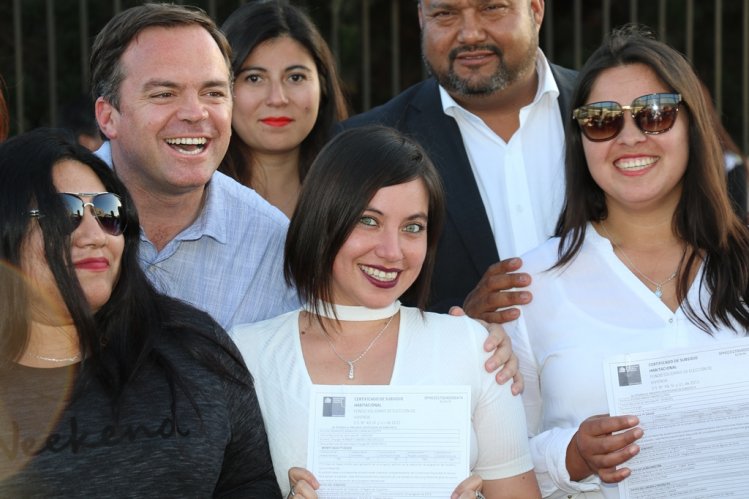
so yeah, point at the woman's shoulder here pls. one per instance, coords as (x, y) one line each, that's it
(260, 336)
(441, 349)
(263, 328)
(542, 257)
(196, 346)
(180, 319)
(434, 318)
(540, 261)
(448, 328)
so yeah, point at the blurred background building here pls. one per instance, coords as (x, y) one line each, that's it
(45, 45)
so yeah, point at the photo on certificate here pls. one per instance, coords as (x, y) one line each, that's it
(629, 375)
(333, 407)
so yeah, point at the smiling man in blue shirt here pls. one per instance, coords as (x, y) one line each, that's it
(162, 83)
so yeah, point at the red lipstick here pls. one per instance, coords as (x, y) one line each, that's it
(379, 283)
(94, 264)
(277, 121)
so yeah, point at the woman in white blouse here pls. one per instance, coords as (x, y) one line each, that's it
(649, 255)
(365, 232)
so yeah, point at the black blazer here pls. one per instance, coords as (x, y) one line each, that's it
(466, 248)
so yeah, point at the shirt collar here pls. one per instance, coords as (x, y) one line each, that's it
(546, 85)
(104, 152)
(211, 220)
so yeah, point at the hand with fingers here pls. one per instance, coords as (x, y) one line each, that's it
(490, 299)
(598, 449)
(470, 488)
(303, 484)
(499, 342)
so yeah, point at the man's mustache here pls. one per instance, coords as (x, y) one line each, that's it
(454, 53)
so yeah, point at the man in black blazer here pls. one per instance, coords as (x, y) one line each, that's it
(485, 55)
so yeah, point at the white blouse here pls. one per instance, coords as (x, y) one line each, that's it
(590, 310)
(434, 349)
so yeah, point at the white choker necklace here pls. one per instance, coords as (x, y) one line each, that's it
(354, 313)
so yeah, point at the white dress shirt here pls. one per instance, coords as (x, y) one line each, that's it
(521, 181)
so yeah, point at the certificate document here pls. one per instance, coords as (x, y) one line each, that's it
(385, 441)
(693, 406)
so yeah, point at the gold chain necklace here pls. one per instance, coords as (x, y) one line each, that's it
(362, 354)
(658, 292)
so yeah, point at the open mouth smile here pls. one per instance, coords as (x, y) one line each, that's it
(188, 145)
(379, 275)
(634, 164)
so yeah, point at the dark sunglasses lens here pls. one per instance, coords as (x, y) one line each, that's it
(74, 207)
(657, 114)
(108, 211)
(600, 121)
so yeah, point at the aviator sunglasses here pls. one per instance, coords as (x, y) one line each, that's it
(653, 114)
(105, 206)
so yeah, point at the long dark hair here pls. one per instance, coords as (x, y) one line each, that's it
(124, 335)
(346, 175)
(254, 23)
(703, 218)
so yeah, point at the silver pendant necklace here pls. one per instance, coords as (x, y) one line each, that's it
(351, 362)
(658, 292)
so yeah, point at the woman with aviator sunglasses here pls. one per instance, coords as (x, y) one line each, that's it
(648, 255)
(107, 388)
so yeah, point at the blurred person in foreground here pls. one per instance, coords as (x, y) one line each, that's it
(108, 387)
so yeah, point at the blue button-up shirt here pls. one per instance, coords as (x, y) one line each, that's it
(229, 261)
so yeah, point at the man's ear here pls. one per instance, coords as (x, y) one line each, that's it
(421, 16)
(537, 10)
(107, 116)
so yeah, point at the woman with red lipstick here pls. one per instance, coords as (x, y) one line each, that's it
(649, 256)
(107, 388)
(364, 234)
(287, 97)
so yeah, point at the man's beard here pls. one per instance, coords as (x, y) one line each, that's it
(502, 77)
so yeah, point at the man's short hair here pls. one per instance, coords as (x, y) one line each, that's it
(119, 32)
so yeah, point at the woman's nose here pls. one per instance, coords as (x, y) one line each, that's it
(89, 232)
